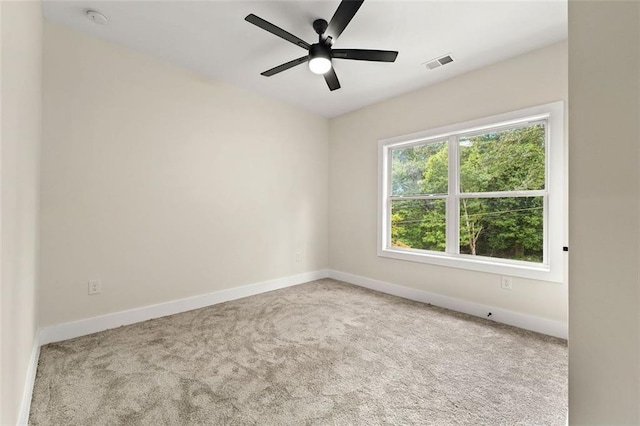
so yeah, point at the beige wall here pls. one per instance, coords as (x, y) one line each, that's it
(535, 78)
(21, 75)
(164, 184)
(604, 330)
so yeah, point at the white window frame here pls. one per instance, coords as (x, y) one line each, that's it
(552, 267)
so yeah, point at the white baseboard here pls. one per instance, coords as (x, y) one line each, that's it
(73, 329)
(83, 327)
(25, 405)
(516, 319)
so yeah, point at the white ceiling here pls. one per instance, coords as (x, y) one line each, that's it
(212, 37)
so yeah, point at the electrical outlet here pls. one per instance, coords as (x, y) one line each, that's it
(506, 282)
(298, 256)
(95, 287)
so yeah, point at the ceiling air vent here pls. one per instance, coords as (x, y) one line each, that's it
(438, 62)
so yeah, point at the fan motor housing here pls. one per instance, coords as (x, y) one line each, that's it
(319, 50)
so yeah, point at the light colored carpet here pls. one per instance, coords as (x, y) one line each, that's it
(321, 353)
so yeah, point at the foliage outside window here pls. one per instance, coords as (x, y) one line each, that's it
(477, 194)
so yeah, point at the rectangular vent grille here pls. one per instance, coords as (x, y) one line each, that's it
(433, 65)
(438, 62)
(445, 60)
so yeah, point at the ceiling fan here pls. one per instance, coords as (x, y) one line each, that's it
(321, 54)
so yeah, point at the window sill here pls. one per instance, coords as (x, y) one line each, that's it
(481, 264)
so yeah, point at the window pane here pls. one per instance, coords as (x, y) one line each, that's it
(419, 170)
(507, 228)
(419, 224)
(506, 160)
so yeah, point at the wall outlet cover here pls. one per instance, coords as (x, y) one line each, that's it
(506, 282)
(95, 287)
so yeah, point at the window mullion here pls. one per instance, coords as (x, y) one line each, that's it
(388, 205)
(453, 227)
(504, 194)
(417, 197)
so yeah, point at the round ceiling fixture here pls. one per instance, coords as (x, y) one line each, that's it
(96, 17)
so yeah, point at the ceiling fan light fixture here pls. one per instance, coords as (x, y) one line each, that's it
(319, 59)
(320, 65)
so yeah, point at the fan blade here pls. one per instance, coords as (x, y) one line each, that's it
(286, 66)
(332, 79)
(268, 26)
(365, 55)
(342, 17)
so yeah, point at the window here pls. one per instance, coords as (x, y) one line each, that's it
(485, 195)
